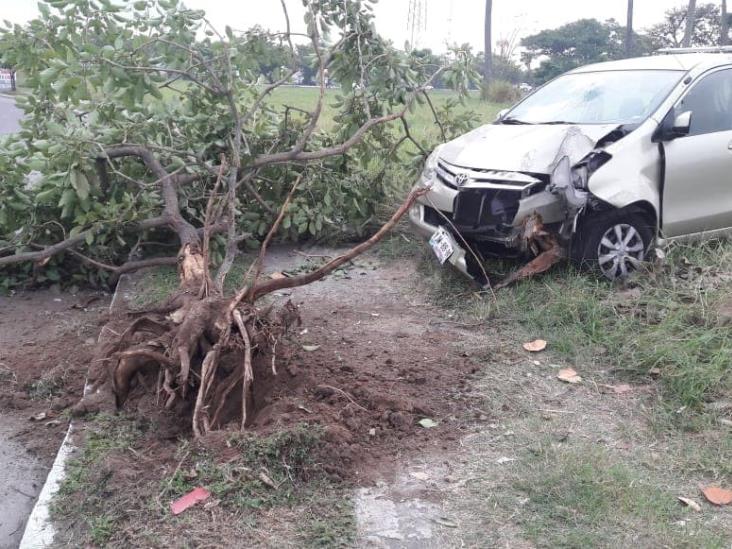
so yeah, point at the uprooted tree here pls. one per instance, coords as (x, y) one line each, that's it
(146, 126)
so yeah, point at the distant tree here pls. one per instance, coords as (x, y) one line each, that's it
(426, 63)
(670, 33)
(690, 22)
(488, 57)
(270, 54)
(629, 31)
(578, 43)
(307, 63)
(724, 24)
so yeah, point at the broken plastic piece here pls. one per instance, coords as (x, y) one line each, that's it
(193, 497)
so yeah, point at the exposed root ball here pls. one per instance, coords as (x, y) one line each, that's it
(181, 355)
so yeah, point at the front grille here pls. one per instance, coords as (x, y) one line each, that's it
(476, 208)
(447, 173)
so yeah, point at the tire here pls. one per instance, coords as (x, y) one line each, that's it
(613, 244)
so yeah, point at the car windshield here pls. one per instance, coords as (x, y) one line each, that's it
(609, 97)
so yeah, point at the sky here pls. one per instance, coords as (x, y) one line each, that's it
(444, 20)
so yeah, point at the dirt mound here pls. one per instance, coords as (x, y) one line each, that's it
(365, 396)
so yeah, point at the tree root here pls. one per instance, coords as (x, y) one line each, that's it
(184, 342)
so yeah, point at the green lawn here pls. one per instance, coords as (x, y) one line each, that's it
(421, 120)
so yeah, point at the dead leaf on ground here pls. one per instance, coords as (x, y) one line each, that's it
(717, 495)
(427, 423)
(690, 503)
(535, 346)
(310, 348)
(568, 375)
(277, 276)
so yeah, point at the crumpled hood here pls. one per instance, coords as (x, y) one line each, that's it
(523, 148)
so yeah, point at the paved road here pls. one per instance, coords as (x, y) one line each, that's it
(21, 475)
(9, 115)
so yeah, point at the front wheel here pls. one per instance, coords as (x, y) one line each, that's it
(614, 243)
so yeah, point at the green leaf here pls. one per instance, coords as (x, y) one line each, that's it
(80, 184)
(68, 198)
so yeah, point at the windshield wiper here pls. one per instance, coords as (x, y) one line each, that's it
(558, 122)
(514, 121)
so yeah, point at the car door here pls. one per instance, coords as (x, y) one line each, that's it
(697, 194)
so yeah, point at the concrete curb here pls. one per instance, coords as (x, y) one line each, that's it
(39, 530)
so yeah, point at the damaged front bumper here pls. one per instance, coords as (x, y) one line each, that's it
(490, 209)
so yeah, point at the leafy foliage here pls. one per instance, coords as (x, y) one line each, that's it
(578, 43)
(156, 74)
(670, 33)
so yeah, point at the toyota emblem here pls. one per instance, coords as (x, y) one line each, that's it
(461, 179)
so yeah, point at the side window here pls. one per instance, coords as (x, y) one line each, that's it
(710, 102)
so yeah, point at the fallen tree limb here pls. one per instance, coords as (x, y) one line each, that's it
(280, 284)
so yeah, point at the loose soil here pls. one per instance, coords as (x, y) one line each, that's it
(46, 339)
(365, 364)
(517, 458)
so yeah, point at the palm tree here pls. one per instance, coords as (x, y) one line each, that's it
(724, 39)
(488, 61)
(690, 23)
(629, 31)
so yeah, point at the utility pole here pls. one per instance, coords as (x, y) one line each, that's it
(724, 38)
(488, 61)
(690, 24)
(629, 31)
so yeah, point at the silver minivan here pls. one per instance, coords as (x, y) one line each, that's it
(606, 159)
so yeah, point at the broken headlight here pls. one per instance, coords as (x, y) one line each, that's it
(430, 166)
(587, 166)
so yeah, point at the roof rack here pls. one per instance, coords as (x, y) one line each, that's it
(708, 49)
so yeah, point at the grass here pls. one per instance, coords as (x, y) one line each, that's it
(583, 497)
(111, 499)
(662, 324)
(285, 457)
(421, 120)
(603, 471)
(84, 491)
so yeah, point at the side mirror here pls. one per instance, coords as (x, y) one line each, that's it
(673, 126)
(682, 124)
(501, 114)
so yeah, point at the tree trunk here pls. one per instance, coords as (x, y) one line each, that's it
(13, 86)
(724, 38)
(690, 24)
(488, 62)
(629, 31)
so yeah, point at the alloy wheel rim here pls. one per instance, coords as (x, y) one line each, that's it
(620, 252)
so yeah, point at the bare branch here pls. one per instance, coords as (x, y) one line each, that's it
(309, 156)
(257, 266)
(434, 114)
(280, 284)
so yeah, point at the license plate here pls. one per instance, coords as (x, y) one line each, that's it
(441, 243)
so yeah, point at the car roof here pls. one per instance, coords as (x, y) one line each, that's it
(678, 62)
